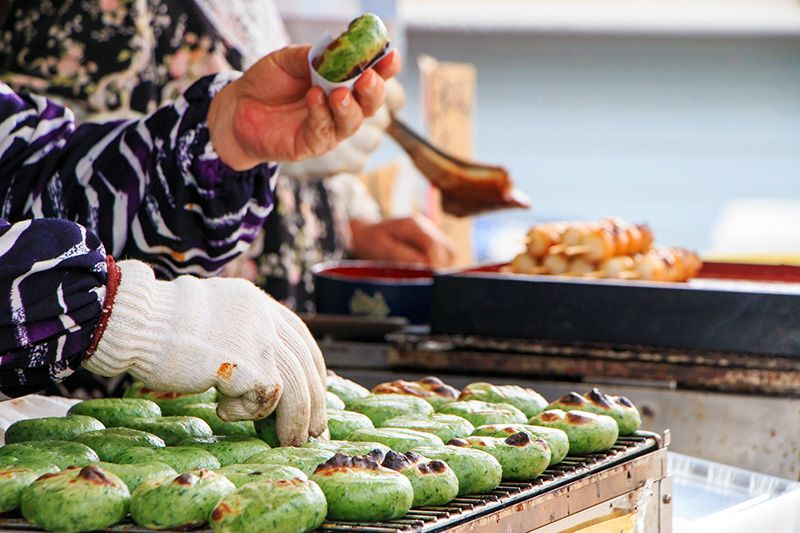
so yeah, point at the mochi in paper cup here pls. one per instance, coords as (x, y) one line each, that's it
(328, 86)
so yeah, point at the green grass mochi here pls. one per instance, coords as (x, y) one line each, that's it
(522, 458)
(382, 407)
(51, 428)
(170, 402)
(108, 443)
(242, 474)
(556, 439)
(229, 449)
(115, 412)
(181, 458)
(445, 427)
(14, 479)
(434, 482)
(304, 459)
(398, 439)
(481, 413)
(173, 429)
(587, 432)
(208, 413)
(528, 401)
(342, 423)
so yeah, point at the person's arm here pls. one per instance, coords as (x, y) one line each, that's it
(153, 188)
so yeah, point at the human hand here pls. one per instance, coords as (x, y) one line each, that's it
(406, 240)
(190, 334)
(272, 113)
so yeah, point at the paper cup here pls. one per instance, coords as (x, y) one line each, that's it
(328, 86)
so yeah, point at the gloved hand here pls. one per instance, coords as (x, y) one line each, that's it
(190, 334)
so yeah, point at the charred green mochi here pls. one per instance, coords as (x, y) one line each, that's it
(271, 506)
(181, 458)
(342, 423)
(556, 439)
(587, 432)
(229, 449)
(76, 499)
(304, 459)
(522, 458)
(61, 453)
(51, 428)
(134, 475)
(360, 489)
(481, 413)
(172, 429)
(347, 447)
(444, 426)
(528, 401)
(170, 402)
(242, 474)
(108, 443)
(116, 412)
(477, 471)
(333, 402)
(398, 439)
(14, 479)
(184, 502)
(434, 482)
(382, 407)
(347, 391)
(350, 53)
(595, 401)
(432, 390)
(208, 413)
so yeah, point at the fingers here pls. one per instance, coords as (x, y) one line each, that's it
(347, 113)
(370, 92)
(424, 237)
(319, 133)
(293, 415)
(389, 66)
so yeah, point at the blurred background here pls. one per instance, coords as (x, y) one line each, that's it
(685, 115)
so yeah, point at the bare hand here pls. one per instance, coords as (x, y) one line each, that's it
(272, 113)
(405, 240)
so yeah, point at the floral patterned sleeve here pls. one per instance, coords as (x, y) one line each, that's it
(152, 189)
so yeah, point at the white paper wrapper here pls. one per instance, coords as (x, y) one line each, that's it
(328, 86)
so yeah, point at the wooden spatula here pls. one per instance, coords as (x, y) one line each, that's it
(467, 188)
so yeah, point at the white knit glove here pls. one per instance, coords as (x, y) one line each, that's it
(190, 334)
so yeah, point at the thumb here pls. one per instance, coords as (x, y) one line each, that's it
(247, 395)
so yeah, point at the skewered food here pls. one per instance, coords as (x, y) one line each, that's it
(587, 432)
(381, 407)
(359, 488)
(521, 457)
(229, 449)
(14, 479)
(526, 400)
(76, 499)
(61, 453)
(271, 506)
(304, 459)
(181, 458)
(347, 391)
(169, 402)
(354, 50)
(108, 443)
(555, 438)
(444, 426)
(242, 474)
(172, 429)
(398, 439)
(116, 412)
(348, 447)
(477, 471)
(182, 502)
(51, 428)
(333, 402)
(208, 413)
(619, 408)
(342, 423)
(432, 390)
(434, 482)
(480, 413)
(135, 475)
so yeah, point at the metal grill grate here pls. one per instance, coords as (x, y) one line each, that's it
(464, 508)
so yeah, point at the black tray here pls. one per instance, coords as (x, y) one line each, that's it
(751, 309)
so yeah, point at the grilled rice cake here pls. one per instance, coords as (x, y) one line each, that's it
(267, 430)
(522, 458)
(434, 482)
(332, 401)
(432, 390)
(444, 426)
(208, 413)
(242, 474)
(115, 412)
(347, 391)
(14, 479)
(181, 458)
(481, 413)
(75, 499)
(135, 474)
(360, 489)
(304, 459)
(398, 439)
(51, 428)
(182, 502)
(342, 423)
(382, 407)
(587, 432)
(477, 472)
(595, 401)
(556, 439)
(528, 401)
(173, 429)
(170, 402)
(347, 447)
(229, 449)
(108, 443)
(271, 506)
(63, 454)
